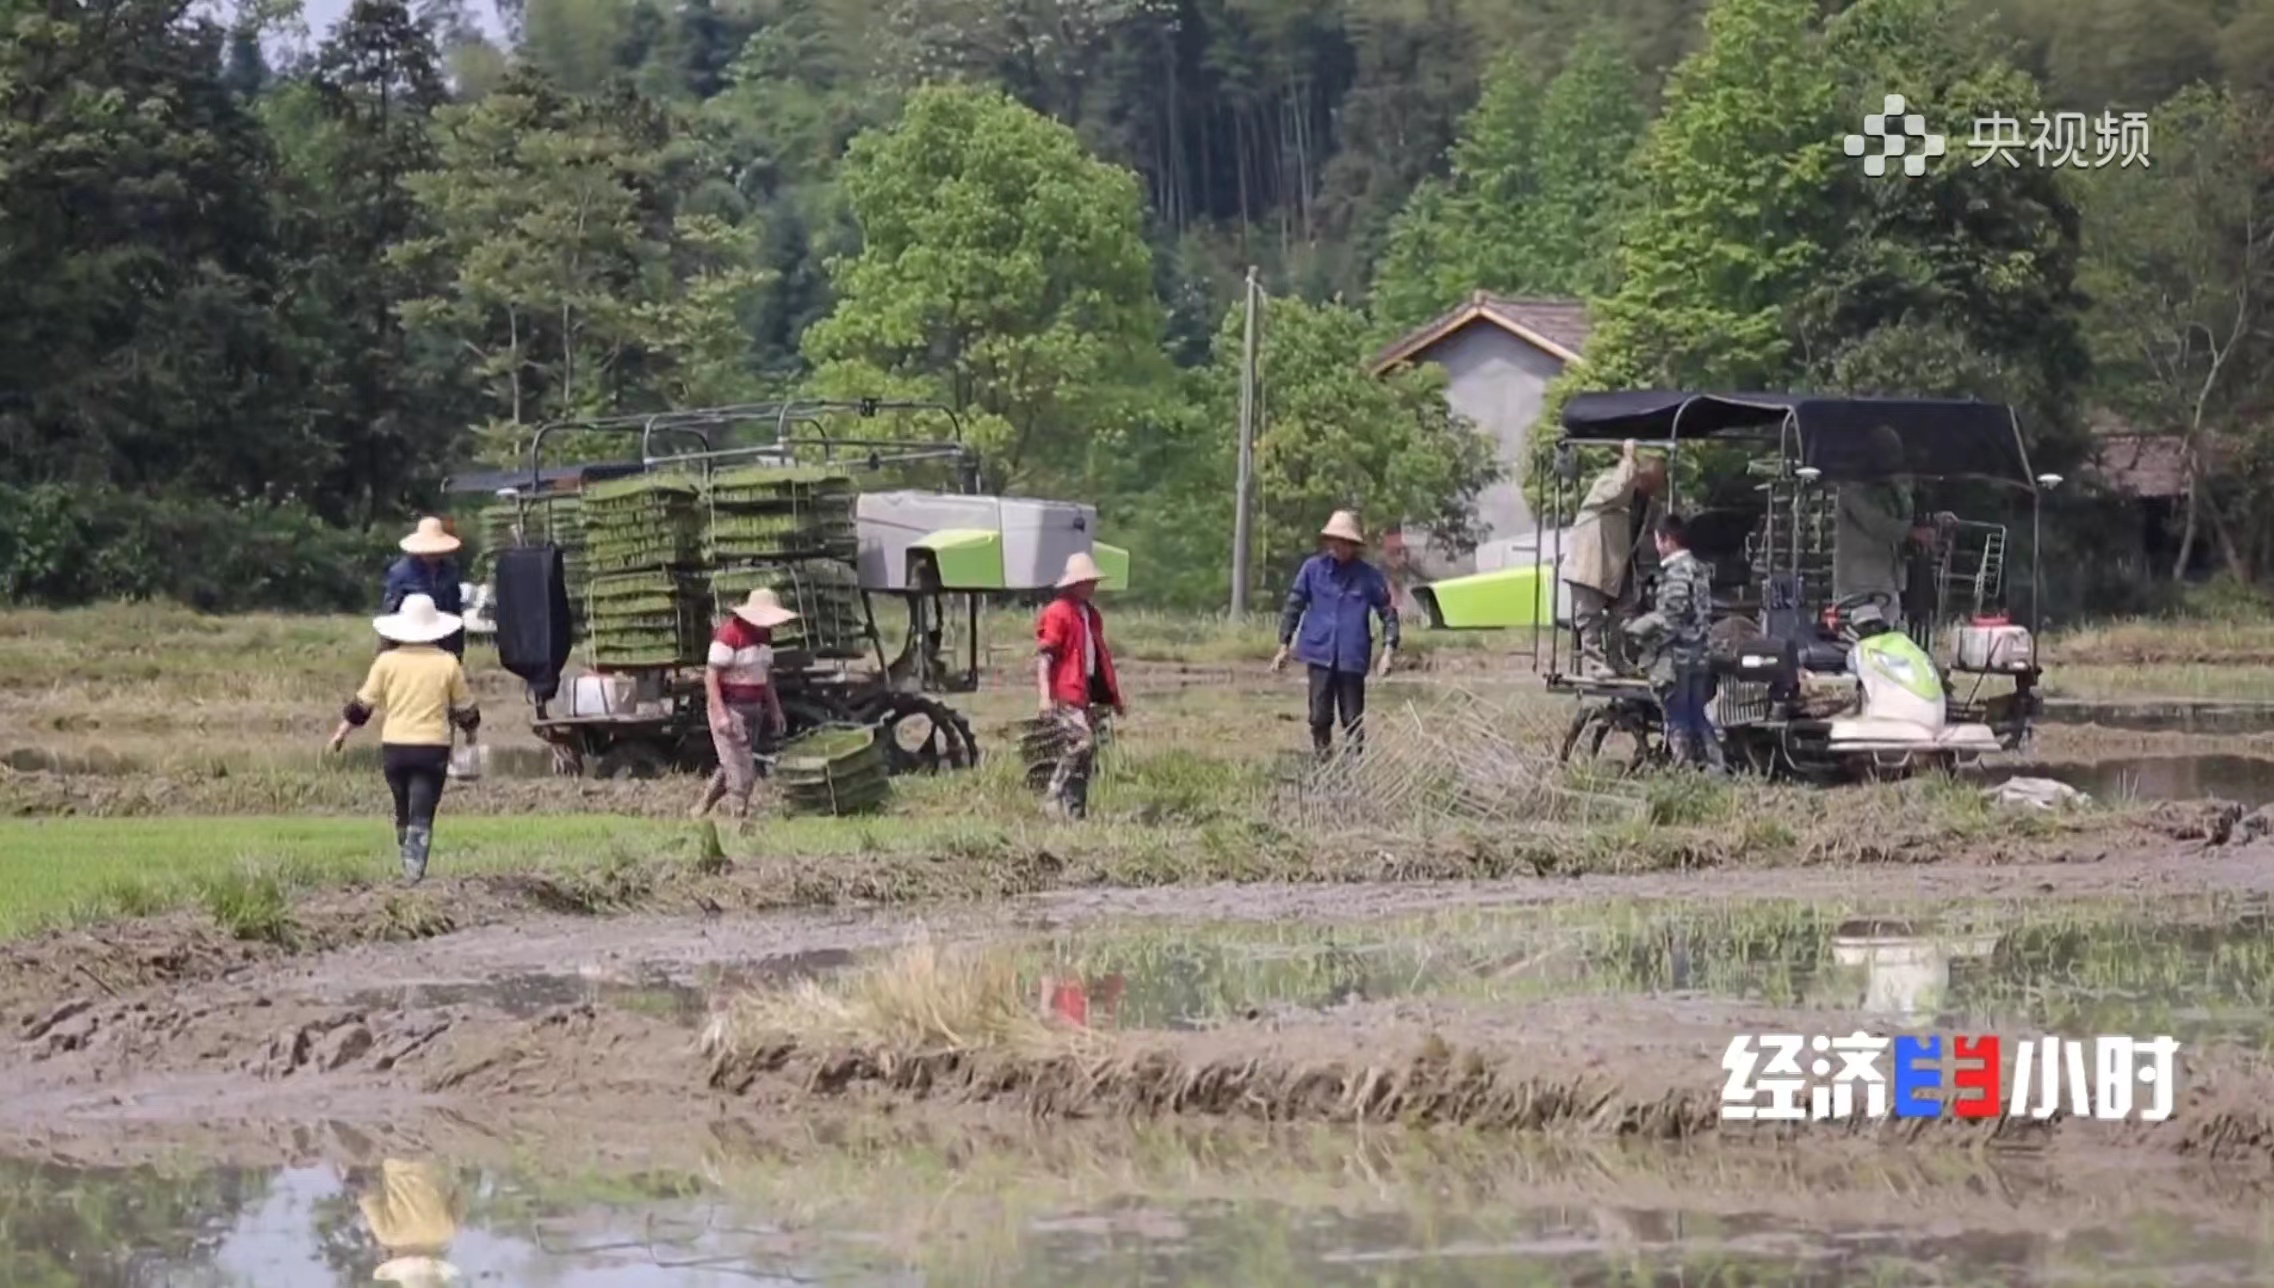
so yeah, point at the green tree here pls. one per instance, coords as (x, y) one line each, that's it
(1591, 122)
(1541, 181)
(1734, 224)
(140, 341)
(2181, 265)
(1961, 281)
(583, 276)
(1003, 270)
(1336, 437)
(352, 136)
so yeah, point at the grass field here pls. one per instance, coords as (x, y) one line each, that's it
(154, 757)
(76, 870)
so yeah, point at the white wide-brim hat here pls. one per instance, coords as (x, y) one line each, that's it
(429, 539)
(1081, 570)
(1343, 526)
(417, 622)
(764, 608)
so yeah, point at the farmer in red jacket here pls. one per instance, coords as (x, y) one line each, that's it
(1073, 676)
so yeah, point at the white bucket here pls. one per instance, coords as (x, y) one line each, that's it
(469, 760)
(600, 695)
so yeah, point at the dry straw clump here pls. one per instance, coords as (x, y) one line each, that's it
(923, 999)
(1462, 758)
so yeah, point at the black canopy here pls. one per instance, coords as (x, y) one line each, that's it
(1849, 439)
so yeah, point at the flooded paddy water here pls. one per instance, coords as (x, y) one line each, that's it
(1158, 1206)
(599, 1156)
(2248, 780)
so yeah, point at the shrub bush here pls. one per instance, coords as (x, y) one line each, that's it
(64, 545)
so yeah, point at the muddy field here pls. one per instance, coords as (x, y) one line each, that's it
(1525, 1073)
(1221, 1033)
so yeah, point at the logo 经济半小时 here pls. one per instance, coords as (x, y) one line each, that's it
(1785, 1076)
(1891, 132)
(2058, 140)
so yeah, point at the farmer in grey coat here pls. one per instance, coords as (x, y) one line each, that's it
(1597, 565)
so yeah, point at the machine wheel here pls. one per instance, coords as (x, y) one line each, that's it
(1593, 727)
(925, 737)
(627, 760)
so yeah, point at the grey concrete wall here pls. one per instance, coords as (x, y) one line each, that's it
(1499, 382)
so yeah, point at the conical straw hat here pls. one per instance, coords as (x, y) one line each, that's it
(430, 539)
(1344, 527)
(764, 608)
(1080, 570)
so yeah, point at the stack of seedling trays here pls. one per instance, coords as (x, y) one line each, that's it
(824, 593)
(651, 521)
(655, 617)
(764, 514)
(791, 531)
(647, 600)
(834, 770)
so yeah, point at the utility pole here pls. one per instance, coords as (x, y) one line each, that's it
(1244, 489)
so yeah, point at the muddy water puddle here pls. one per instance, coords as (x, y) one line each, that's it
(2248, 780)
(2199, 969)
(1153, 1208)
(671, 990)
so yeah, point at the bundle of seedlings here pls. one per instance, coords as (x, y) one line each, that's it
(1042, 740)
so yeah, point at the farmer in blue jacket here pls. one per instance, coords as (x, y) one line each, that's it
(1327, 623)
(426, 568)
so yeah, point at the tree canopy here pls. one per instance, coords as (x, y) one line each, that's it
(265, 288)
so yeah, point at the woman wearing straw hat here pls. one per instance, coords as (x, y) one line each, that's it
(1073, 677)
(426, 568)
(739, 688)
(422, 689)
(1327, 622)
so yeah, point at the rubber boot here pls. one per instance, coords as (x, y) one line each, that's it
(1715, 762)
(415, 843)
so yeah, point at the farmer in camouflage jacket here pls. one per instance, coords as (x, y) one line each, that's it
(1678, 623)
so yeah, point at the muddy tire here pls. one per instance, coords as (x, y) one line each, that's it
(921, 736)
(631, 760)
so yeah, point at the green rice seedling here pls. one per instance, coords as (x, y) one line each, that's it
(250, 903)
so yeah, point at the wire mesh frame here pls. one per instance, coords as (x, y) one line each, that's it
(1463, 759)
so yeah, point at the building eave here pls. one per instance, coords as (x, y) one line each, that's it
(1478, 309)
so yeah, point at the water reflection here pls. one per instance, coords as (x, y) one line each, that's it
(1245, 1207)
(1906, 973)
(2201, 969)
(412, 1211)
